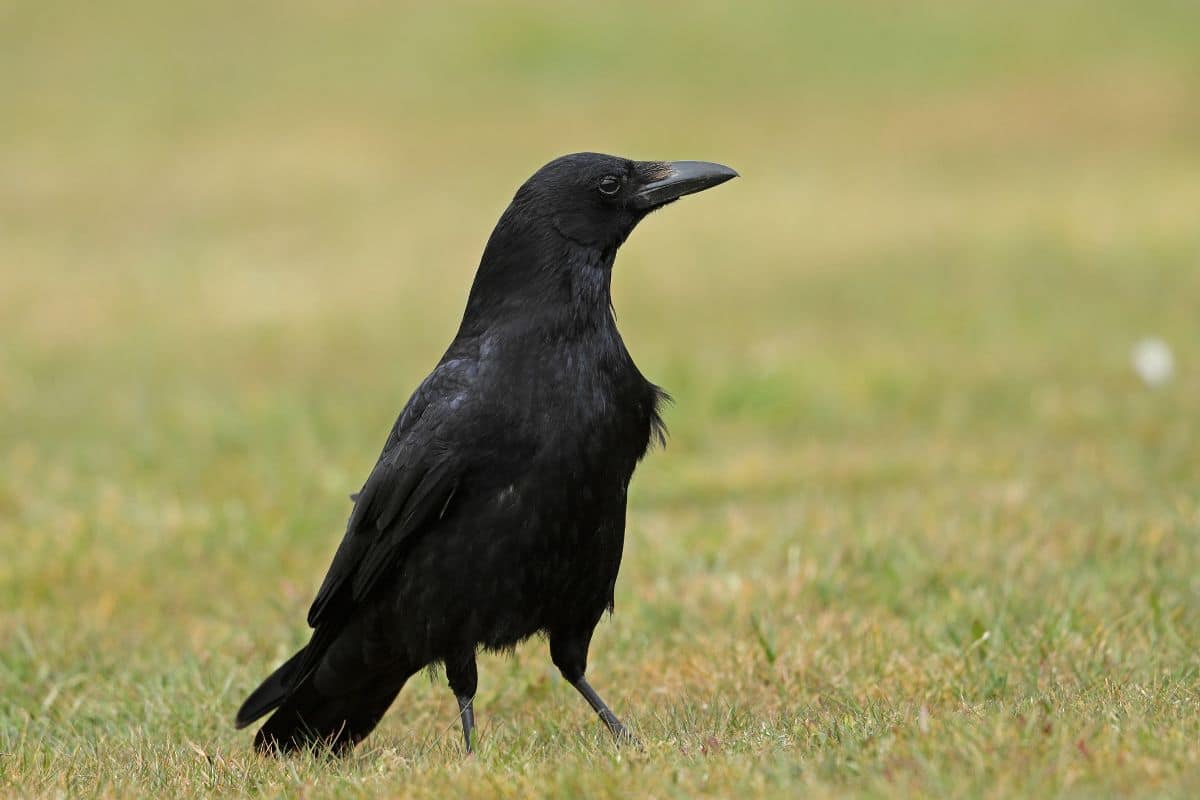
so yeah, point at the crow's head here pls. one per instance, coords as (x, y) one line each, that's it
(596, 200)
(553, 246)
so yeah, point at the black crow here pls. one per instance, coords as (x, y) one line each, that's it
(497, 508)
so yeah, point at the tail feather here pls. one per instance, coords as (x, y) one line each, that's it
(271, 693)
(309, 720)
(292, 673)
(330, 694)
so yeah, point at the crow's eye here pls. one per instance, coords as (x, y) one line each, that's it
(610, 185)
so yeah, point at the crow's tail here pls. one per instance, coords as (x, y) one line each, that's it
(323, 696)
(271, 693)
(309, 719)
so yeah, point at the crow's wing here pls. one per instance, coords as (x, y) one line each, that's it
(410, 487)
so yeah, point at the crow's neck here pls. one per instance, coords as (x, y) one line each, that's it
(541, 283)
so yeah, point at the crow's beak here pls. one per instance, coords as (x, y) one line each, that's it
(673, 179)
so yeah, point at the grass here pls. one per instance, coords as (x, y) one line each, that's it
(919, 529)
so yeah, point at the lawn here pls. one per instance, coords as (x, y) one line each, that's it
(919, 528)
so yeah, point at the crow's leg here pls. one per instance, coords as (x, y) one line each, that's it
(569, 653)
(614, 725)
(464, 680)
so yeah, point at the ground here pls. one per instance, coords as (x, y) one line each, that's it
(919, 529)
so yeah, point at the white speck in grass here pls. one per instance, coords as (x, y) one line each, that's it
(1153, 362)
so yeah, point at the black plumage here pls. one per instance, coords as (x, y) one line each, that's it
(497, 507)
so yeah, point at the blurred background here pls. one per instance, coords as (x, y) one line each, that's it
(912, 464)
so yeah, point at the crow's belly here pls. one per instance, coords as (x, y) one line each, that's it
(528, 557)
